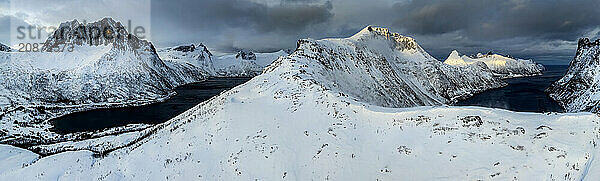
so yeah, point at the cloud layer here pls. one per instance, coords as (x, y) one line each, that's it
(546, 30)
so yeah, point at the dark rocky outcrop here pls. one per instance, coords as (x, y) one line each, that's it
(4, 48)
(246, 55)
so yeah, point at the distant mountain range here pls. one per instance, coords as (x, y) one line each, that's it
(504, 67)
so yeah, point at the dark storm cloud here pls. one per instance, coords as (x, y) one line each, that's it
(259, 16)
(239, 19)
(538, 29)
(497, 19)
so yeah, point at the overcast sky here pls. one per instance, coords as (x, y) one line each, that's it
(544, 30)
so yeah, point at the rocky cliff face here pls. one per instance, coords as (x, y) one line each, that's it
(579, 89)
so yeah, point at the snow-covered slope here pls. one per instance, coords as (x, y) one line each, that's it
(4, 48)
(502, 66)
(579, 89)
(94, 72)
(295, 123)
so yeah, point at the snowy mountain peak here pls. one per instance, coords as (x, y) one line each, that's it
(455, 59)
(402, 42)
(4, 48)
(398, 71)
(102, 32)
(454, 54)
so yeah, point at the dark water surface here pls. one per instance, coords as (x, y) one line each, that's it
(187, 97)
(524, 94)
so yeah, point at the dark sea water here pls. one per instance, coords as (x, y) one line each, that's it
(187, 97)
(524, 94)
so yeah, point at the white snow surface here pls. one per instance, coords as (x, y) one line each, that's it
(294, 122)
(502, 66)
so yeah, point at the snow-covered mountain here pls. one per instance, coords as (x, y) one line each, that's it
(388, 69)
(579, 89)
(245, 64)
(301, 121)
(197, 56)
(4, 48)
(505, 67)
(242, 64)
(89, 72)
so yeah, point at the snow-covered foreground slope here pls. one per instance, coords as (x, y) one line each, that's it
(96, 72)
(502, 66)
(295, 123)
(579, 89)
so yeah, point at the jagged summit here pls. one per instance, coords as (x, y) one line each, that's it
(584, 43)
(401, 42)
(105, 31)
(4, 48)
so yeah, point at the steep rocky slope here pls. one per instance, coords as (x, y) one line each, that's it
(579, 89)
